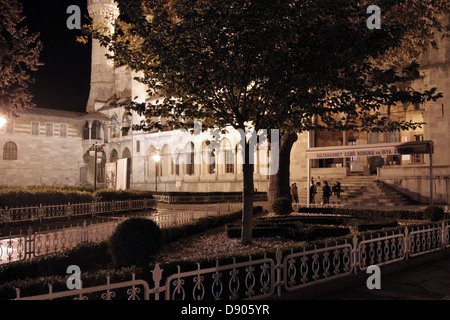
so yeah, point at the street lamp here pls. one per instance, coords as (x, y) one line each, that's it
(2, 121)
(156, 157)
(93, 150)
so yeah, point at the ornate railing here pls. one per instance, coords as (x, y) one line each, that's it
(35, 243)
(41, 213)
(266, 277)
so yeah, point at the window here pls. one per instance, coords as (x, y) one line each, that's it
(83, 174)
(352, 143)
(126, 121)
(63, 130)
(10, 151)
(175, 165)
(417, 158)
(229, 164)
(212, 162)
(49, 129)
(229, 157)
(115, 133)
(95, 130)
(190, 161)
(35, 128)
(86, 131)
(138, 146)
(114, 155)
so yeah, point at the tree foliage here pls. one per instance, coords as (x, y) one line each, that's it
(19, 54)
(271, 64)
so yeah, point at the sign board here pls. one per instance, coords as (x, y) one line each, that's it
(371, 150)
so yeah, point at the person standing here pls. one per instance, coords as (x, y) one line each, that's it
(294, 193)
(312, 193)
(326, 193)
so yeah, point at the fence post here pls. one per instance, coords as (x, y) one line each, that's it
(443, 235)
(84, 232)
(69, 211)
(279, 266)
(406, 243)
(92, 209)
(28, 244)
(354, 255)
(157, 276)
(41, 213)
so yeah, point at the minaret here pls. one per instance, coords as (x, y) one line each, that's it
(103, 12)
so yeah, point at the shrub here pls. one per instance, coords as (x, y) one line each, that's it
(34, 196)
(118, 195)
(434, 213)
(282, 206)
(374, 224)
(134, 242)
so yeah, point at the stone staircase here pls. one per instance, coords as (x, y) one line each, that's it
(362, 191)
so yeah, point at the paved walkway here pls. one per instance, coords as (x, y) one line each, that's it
(428, 281)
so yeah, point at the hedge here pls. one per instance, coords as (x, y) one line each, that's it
(373, 213)
(36, 195)
(290, 227)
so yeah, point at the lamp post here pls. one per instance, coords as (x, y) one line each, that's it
(93, 150)
(156, 157)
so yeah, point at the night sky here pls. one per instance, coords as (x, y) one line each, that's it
(63, 82)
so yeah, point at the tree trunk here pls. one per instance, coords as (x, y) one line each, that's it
(279, 185)
(247, 213)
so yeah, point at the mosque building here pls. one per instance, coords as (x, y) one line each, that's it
(52, 147)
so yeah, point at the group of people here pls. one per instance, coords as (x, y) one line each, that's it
(327, 192)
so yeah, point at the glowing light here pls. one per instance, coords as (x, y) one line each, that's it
(156, 158)
(2, 121)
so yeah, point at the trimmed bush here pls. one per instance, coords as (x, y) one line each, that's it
(434, 213)
(282, 206)
(134, 242)
(375, 224)
(34, 196)
(118, 195)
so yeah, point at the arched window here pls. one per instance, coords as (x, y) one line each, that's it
(190, 159)
(176, 163)
(165, 160)
(10, 151)
(95, 130)
(126, 124)
(115, 132)
(86, 131)
(101, 167)
(229, 156)
(114, 155)
(209, 157)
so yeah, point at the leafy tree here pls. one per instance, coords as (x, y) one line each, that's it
(19, 54)
(293, 65)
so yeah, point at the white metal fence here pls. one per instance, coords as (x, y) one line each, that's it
(36, 243)
(265, 277)
(41, 213)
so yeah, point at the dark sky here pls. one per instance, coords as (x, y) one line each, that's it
(63, 82)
